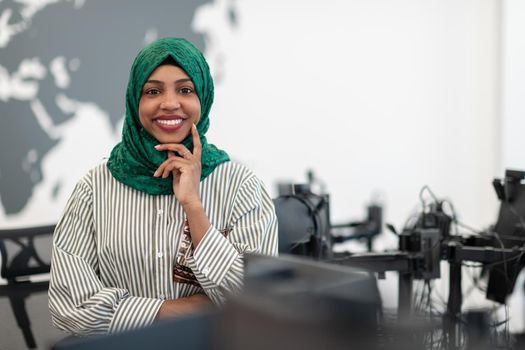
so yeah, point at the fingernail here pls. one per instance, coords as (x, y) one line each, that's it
(157, 146)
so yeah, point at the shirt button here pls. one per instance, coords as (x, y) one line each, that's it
(160, 255)
(160, 211)
(162, 296)
(205, 270)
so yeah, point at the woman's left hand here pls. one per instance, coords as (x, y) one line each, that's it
(186, 169)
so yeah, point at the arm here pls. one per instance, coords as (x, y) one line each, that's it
(78, 301)
(217, 261)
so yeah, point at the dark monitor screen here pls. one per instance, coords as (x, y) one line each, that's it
(291, 277)
(299, 303)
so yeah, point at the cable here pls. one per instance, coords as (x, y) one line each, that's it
(453, 215)
(456, 221)
(512, 238)
(471, 229)
(503, 261)
(496, 235)
(412, 219)
(424, 293)
(441, 299)
(427, 188)
(507, 282)
(429, 305)
(474, 279)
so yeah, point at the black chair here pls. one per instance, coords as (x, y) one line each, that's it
(23, 253)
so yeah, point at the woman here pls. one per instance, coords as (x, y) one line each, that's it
(161, 229)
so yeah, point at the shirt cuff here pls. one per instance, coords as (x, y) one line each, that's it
(134, 312)
(212, 258)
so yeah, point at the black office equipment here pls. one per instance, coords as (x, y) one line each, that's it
(304, 222)
(293, 302)
(510, 224)
(509, 232)
(367, 229)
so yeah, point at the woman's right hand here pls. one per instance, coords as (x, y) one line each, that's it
(183, 306)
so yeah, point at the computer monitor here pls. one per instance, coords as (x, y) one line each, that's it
(291, 278)
(292, 302)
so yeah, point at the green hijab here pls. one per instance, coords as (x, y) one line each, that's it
(134, 160)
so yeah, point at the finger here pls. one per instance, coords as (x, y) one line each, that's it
(171, 155)
(197, 146)
(171, 162)
(174, 147)
(173, 167)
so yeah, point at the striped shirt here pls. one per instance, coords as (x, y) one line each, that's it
(118, 252)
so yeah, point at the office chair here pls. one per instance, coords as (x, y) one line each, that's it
(23, 253)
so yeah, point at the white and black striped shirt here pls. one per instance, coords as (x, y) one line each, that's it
(115, 249)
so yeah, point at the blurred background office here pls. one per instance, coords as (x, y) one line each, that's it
(377, 97)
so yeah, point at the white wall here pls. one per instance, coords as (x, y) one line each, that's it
(513, 84)
(377, 96)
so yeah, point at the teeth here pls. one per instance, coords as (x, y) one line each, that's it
(169, 121)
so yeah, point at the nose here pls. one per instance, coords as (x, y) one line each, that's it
(170, 101)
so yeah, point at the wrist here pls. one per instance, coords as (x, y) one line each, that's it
(197, 220)
(192, 205)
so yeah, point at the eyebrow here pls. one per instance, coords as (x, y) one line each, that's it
(161, 82)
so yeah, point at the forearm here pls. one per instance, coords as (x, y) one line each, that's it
(217, 264)
(197, 220)
(218, 261)
(79, 303)
(183, 306)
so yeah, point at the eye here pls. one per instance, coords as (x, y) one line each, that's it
(185, 90)
(152, 91)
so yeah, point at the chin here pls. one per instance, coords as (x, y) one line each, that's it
(170, 139)
(166, 140)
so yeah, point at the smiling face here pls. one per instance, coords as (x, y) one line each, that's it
(168, 104)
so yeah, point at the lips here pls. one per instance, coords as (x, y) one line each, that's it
(169, 123)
